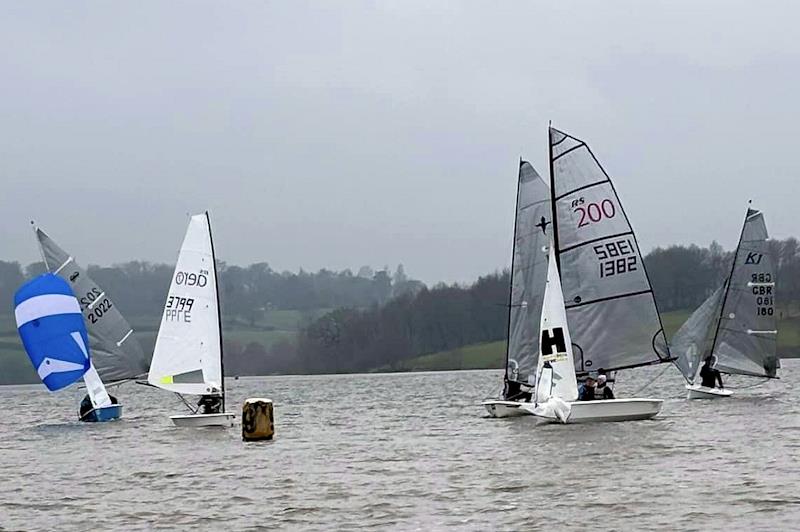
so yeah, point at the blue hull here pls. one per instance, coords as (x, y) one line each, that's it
(104, 413)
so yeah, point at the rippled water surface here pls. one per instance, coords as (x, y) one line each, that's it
(403, 452)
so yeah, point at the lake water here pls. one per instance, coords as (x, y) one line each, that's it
(403, 452)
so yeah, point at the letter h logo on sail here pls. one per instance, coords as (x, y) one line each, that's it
(553, 338)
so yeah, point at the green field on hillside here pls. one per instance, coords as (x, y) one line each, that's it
(274, 326)
(492, 355)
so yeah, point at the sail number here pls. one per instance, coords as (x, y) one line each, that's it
(616, 257)
(179, 309)
(593, 212)
(765, 300)
(93, 307)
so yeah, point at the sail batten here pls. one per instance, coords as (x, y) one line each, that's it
(104, 322)
(603, 276)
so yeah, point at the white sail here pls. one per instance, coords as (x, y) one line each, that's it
(188, 355)
(556, 366)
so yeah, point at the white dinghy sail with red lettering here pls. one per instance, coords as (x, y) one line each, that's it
(736, 326)
(610, 304)
(187, 358)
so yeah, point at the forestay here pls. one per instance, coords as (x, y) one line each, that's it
(528, 274)
(746, 342)
(187, 355)
(693, 342)
(116, 353)
(610, 305)
(52, 330)
(556, 367)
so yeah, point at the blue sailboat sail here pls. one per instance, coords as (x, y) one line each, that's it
(52, 329)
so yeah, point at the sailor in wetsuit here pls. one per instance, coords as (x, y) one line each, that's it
(87, 406)
(514, 392)
(586, 390)
(209, 404)
(710, 376)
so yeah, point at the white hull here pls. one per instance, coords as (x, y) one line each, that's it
(605, 410)
(500, 408)
(204, 420)
(695, 391)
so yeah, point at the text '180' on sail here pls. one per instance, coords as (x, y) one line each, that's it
(610, 305)
(52, 330)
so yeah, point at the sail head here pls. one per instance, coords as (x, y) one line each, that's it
(187, 357)
(610, 304)
(52, 330)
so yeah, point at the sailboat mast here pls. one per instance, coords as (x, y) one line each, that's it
(219, 310)
(511, 276)
(554, 213)
(728, 281)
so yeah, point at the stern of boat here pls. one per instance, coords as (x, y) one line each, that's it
(103, 413)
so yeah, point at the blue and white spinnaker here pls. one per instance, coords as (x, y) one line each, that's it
(52, 329)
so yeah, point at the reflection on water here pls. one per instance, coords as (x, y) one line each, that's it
(407, 452)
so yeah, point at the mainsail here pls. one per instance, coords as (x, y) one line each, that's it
(52, 330)
(188, 353)
(116, 353)
(610, 305)
(746, 339)
(528, 274)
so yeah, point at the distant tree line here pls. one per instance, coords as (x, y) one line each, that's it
(246, 293)
(374, 319)
(448, 317)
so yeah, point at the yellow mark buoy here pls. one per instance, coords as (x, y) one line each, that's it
(257, 419)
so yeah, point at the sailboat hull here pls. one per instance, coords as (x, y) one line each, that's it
(607, 410)
(695, 391)
(500, 408)
(204, 420)
(103, 413)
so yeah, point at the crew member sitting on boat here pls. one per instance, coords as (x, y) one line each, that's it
(603, 390)
(87, 406)
(710, 376)
(586, 390)
(514, 392)
(210, 404)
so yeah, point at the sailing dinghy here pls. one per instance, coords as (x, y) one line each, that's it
(52, 331)
(117, 355)
(556, 387)
(528, 276)
(608, 301)
(188, 356)
(737, 325)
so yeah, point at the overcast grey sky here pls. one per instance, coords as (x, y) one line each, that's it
(336, 134)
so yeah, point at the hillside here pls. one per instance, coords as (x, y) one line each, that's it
(491, 355)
